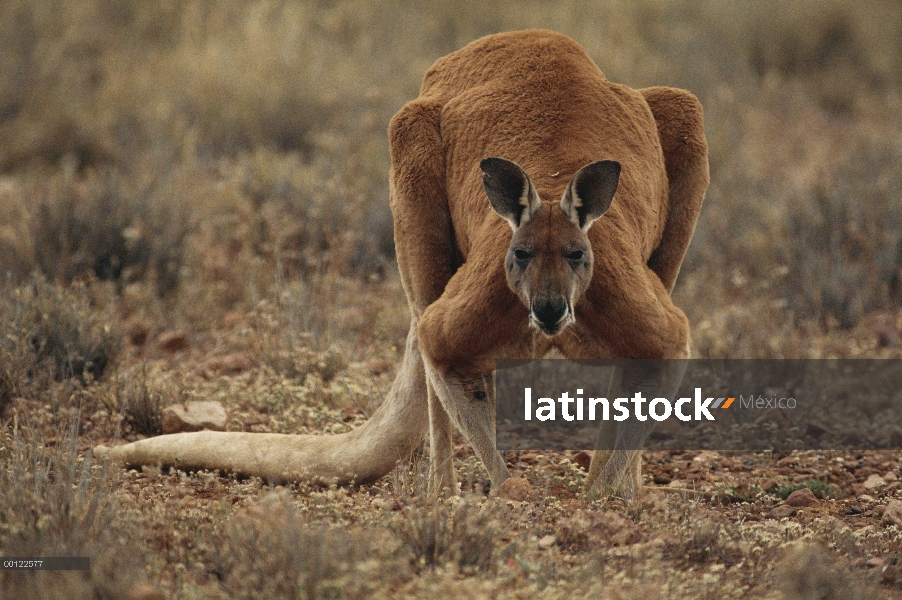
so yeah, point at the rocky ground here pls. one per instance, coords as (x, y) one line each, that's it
(709, 524)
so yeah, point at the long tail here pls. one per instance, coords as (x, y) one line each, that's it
(362, 455)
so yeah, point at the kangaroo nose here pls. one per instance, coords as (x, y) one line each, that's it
(549, 312)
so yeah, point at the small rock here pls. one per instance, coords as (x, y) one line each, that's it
(348, 413)
(892, 513)
(874, 482)
(583, 459)
(547, 541)
(194, 416)
(782, 511)
(801, 498)
(787, 461)
(378, 366)
(173, 341)
(230, 364)
(661, 479)
(866, 498)
(516, 488)
(890, 477)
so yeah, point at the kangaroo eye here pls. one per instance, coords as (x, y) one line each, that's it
(521, 254)
(575, 255)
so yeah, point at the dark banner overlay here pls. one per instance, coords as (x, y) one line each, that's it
(696, 404)
(45, 563)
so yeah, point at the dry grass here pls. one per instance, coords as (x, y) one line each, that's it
(56, 502)
(217, 172)
(463, 534)
(809, 571)
(271, 552)
(141, 397)
(51, 333)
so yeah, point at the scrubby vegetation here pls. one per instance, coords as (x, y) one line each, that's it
(193, 205)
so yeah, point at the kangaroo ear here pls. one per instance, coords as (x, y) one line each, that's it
(510, 191)
(590, 192)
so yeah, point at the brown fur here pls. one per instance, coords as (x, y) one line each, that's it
(537, 99)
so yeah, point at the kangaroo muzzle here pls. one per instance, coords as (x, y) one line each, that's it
(550, 314)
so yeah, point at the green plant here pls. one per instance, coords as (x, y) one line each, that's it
(819, 488)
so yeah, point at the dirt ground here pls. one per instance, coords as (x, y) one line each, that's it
(708, 523)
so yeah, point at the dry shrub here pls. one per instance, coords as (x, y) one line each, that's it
(299, 328)
(589, 530)
(800, 223)
(54, 502)
(329, 213)
(823, 246)
(272, 552)
(108, 80)
(141, 398)
(800, 98)
(319, 323)
(821, 43)
(49, 333)
(810, 572)
(702, 538)
(845, 237)
(102, 225)
(706, 541)
(147, 89)
(463, 535)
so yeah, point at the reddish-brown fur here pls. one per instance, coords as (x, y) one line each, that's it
(537, 99)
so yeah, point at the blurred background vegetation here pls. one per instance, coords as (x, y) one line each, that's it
(182, 150)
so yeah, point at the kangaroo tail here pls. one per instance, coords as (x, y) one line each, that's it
(362, 455)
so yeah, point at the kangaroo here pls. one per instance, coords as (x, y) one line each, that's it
(537, 207)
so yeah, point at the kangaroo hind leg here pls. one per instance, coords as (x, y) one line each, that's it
(424, 245)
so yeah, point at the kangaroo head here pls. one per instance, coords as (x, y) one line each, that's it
(549, 261)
